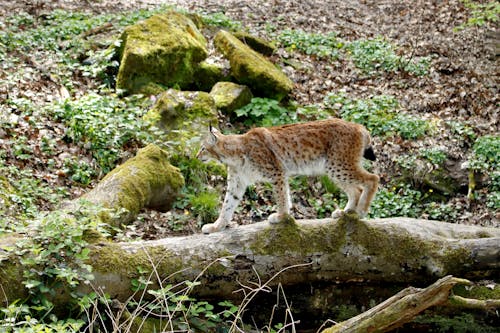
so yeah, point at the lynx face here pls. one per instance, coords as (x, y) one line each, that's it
(333, 147)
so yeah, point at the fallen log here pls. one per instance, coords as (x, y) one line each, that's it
(405, 306)
(144, 181)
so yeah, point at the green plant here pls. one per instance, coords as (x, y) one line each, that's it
(102, 125)
(54, 257)
(486, 153)
(221, 20)
(379, 114)
(399, 200)
(372, 55)
(481, 13)
(205, 205)
(435, 155)
(321, 45)
(265, 112)
(463, 323)
(79, 171)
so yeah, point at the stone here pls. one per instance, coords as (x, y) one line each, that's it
(183, 116)
(229, 96)
(252, 69)
(257, 44)
(162, 51)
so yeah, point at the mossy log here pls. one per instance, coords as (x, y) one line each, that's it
(379, 252)
(147, 180)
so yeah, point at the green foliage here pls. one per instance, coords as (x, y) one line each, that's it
(464, 323)
(203, 202)
(205, 205)
(221, 20)
(265, 112)
(183, 311)
(28, 192)
(102, 125)
(321, 45)
(369, 55)
(461, 129)
(379, 114)
(435, 155)
(481, 13)
(399, 200)
(378, 54)
(486, 154)
(54, 257)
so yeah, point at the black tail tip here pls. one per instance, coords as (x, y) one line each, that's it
(369, 154)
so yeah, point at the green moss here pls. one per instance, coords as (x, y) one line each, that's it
(163, 50)
(252, 69)
(6, 189)
(230, 96)
(11, 271)
(258, 44)
(288, 237)
(184, 116)
(146, 180)
(208, 74)
(478, 291)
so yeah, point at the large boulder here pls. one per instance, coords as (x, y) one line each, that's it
(183, 116)
(253, 69)
(159, 52)
(229, 96)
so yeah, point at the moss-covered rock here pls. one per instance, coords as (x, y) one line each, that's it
(146, 180)
(183, 115)
(6, 189)
(229, 96)
(250, 68)
(258, 44)
(208, 74)
(163, 50)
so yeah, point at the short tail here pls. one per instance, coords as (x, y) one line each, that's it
(369, 154)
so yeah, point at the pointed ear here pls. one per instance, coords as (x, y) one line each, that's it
(213, 134)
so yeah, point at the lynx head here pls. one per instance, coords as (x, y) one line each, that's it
(209, 148)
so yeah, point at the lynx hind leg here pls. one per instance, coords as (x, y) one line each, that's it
(370, 186)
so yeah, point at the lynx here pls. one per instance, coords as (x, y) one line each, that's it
(333, 147)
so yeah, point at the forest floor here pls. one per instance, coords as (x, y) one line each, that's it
(459, 95)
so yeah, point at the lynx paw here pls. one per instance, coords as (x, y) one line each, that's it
(214, 227)
(274, 218)
(338, 213)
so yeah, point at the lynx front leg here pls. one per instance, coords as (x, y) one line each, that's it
(353, 194)
(284, 201)
(235, 190)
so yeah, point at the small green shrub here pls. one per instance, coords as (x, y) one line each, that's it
(379, 114)
(396, 201)
(265, 112)
(205, 206)
(102, 125)
(321, 45)
(435, 155)
(481, 13)
(56, 254)
(221, 20)
(372, 55)
(486, 154)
